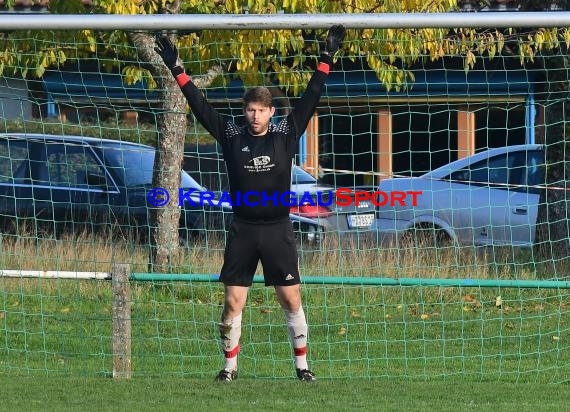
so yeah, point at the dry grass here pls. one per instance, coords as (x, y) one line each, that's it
(338, 257)
(331, 258)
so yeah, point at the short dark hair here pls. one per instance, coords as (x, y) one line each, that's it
(260, 95)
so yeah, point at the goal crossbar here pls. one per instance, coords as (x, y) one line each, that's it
(283, 21)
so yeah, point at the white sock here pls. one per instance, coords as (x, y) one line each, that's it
(230, 332)
(297, 329)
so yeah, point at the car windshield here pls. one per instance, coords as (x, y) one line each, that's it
(136, 166)
(302, 177)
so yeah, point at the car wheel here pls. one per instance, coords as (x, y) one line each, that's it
(308, 235)
(426, 237)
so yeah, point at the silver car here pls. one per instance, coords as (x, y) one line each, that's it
(341, 210)
(489, 198)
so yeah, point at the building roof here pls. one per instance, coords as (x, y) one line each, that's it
(37, 3)
(437, 82)
(26, 6)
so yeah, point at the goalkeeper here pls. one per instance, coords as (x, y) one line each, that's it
(258, 159)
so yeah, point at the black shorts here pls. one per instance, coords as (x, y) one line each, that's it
(272, 244)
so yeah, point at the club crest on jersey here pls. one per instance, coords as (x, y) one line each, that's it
(261, 161)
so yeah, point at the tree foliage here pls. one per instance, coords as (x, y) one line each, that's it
(279, 56)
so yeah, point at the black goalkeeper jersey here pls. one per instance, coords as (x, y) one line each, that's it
(259, 168)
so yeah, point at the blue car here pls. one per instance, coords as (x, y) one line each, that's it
(57, 184)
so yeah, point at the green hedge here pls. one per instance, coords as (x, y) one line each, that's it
(141, 133)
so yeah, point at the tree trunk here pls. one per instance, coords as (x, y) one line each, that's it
(165, 221)
(171, 126)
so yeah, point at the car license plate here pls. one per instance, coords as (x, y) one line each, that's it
(360, 220)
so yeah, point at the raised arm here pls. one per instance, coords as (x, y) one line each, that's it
(305, 106)
(204, 112)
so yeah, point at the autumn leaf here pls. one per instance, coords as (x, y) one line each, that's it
(498, 302)
(469, 298)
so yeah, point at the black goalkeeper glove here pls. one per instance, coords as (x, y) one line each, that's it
(333, 42)
(167, 50)
(334, 39)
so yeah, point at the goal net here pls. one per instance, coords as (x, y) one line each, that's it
(432, 259)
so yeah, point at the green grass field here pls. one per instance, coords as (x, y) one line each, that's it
(372, 347)
(63, 328)
(42, 393)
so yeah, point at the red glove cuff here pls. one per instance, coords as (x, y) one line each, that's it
(324, 67)
(182, 79)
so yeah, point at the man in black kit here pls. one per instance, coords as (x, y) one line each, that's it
(259, 158)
